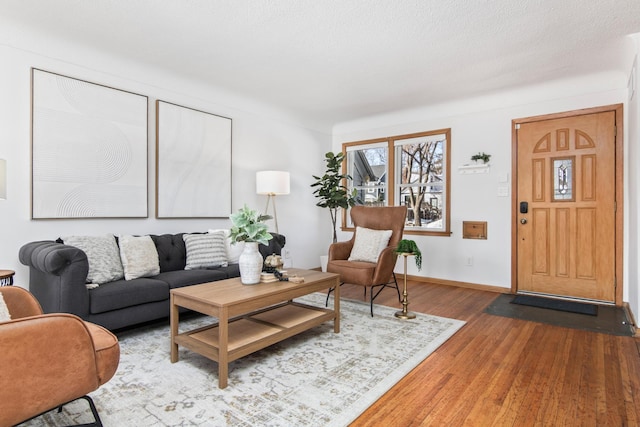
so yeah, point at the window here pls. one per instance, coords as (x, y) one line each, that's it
(410, 170)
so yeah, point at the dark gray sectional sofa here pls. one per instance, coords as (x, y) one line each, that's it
(58, 274)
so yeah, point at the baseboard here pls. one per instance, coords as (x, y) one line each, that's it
(629, 313)
(456, 283)
(445, 282)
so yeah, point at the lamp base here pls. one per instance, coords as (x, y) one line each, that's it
(405, 315)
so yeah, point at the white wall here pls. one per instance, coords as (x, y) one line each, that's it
(484, 124)
(633, 162)
(262, 139)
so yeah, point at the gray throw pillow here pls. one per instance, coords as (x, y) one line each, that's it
(103, 255)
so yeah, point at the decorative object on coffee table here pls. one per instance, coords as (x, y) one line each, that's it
(272, 263)
(249, 227)
(272, 183)
(407, 248)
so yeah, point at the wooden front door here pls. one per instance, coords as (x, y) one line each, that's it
(565, 217)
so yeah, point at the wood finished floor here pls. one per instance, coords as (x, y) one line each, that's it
(498, 371)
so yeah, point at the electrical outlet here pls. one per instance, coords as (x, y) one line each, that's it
(469, 261)
(286, 254)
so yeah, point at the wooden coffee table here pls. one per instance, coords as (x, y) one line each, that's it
(250, 317)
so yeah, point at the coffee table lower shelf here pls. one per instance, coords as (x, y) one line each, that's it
(255, 331)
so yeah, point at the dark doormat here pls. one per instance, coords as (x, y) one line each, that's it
(609, 320)
(556, 304)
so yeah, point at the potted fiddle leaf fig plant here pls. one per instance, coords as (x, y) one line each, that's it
(330, 189)
(406, 246)
(249, 227)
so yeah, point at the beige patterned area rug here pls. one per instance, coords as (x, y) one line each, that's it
(317, 378)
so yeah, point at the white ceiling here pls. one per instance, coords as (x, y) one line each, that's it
(335, 60)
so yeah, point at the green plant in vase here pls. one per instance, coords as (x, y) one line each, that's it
(406, 246)
(248, 226)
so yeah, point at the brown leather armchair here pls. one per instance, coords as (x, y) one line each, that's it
(49, 360)
(368, 274)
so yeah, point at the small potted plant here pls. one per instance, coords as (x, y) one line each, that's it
(481, 156)
(406, 246)
(249, 227)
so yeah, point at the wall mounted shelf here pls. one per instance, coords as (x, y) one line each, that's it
(472, 169)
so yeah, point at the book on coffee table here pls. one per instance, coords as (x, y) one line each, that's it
(268, 278)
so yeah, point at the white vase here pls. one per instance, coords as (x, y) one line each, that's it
(250, 262)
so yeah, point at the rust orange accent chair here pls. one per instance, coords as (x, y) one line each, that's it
(370, 274)
(49, 360)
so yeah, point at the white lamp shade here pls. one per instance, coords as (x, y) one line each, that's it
(3, 179)
(272, 182)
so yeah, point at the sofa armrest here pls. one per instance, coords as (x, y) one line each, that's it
(57, 276)
(46, 360)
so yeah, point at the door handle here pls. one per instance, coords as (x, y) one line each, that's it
(523, 221)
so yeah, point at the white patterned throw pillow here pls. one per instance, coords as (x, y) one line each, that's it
(103, 255)
(368, 244)
(205, 250)
(234, 250)
(139, 257)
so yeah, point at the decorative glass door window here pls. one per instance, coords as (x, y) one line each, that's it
(563, 179)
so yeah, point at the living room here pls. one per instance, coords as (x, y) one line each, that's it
(268, 136)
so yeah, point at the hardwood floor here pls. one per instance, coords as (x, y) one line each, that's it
(498, 371)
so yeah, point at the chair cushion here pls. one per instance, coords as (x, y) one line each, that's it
(126, 293)
(354, 272)
(178, 279)
(368, 244)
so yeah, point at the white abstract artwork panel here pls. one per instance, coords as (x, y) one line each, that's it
(89, 148)
(193, 176)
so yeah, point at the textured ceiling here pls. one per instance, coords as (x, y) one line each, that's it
(335, 60)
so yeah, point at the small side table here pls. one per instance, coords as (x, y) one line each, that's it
(6, 277)
(405, 314)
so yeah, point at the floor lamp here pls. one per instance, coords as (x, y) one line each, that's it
(272, 183)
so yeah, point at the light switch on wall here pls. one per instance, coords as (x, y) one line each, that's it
(503, 191)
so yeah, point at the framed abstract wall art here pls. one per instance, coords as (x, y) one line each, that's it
(89, 149)
(193, 163)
